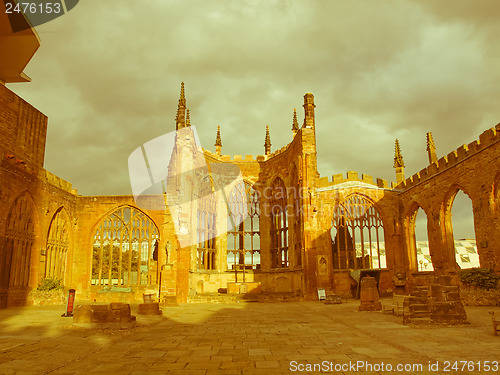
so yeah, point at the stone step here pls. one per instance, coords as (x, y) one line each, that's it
(420, 320)
(419, 307)
(418, 300)
(419, 293)
(419, 289)
(462, 318)
(421, 314)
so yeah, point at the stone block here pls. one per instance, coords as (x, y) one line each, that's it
(119, 306)
(102, 314)
(333, 299)
(437, 292)
(423, 307)
(453, 296)
(444, 280)
(369, 295)
(82, 314)
(149, 309)
(352, 175)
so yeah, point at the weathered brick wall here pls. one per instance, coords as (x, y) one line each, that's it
(22, 147)
(16, 181)
(57, 194)
(23, 129)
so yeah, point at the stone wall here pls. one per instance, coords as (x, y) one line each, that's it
(473, 168)
(28, 187)
(23, 129)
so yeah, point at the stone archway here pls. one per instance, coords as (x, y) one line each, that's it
(16, 252)
(123, 249)
(55, 255)
(451, 254)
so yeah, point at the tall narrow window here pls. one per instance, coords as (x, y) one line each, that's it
(464, 236)
(206, 224)
(243, 236)
(357, 235)
(124, 243)
(18, 245)
(279, 225)
(418, 245)
(57, 247)
(297, 218)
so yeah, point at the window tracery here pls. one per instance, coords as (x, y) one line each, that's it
(358, 239)
(279, 225)
(206, 226)
(243, 235)
(18, 245)
(124, 244)
(57, 247)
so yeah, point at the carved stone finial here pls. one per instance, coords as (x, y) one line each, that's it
(182, 99)
(180, 119)
(431, 149)
(399, 164)
(218, 142)
(398, 158)
(267, 143)
(295, 123)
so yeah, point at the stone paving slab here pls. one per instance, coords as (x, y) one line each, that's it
(239, 338)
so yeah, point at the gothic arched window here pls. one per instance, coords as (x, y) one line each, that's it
(297, 213)
(243, 235)
(124, 242)
(57, 247)
(206, 226)
(357, 241)
(279, 225)
(15, 262)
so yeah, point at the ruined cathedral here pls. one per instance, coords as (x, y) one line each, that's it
(274, 229)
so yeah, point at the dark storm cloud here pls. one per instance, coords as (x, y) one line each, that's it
(108, 73)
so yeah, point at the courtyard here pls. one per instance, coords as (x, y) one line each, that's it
(246, 338)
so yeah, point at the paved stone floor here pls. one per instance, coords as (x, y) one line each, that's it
(245, 338)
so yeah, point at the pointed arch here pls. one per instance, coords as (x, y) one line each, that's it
(460, 252)
(123, 248)
(279, 224)
(495, 195)
(18, 243)
(358, 239)
(54, 258)
(243, 235)
(206, 225)
(296, 215)
(418, 251)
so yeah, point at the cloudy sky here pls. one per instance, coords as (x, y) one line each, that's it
(108, 74)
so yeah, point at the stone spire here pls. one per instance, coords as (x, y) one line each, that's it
(431, 149)
(188, 120)
(267, 143)
(295, 123)
(180, 119)
(398, 158)
(218, 142)
(399, 164)
(309, 110)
